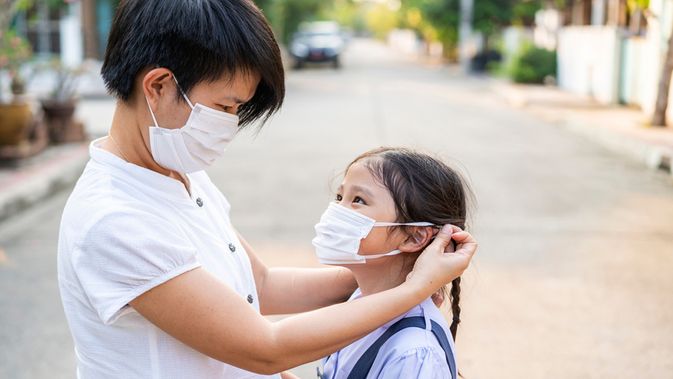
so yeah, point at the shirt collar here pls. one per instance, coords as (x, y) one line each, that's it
(162, 184)
(418, 310)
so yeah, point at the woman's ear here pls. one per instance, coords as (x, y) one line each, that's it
(157, 83)
(418, 239)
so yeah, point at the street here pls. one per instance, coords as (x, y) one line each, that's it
(574, 273)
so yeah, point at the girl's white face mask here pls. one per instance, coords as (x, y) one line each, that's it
(339, 232)
(197, 144)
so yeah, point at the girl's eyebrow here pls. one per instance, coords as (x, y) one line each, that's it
(356, 187)
(363, 190)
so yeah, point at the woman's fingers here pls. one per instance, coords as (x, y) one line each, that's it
(442, 239)
(466, 243)
(435, 267)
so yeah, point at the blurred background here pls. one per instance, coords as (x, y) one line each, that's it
(556, 112)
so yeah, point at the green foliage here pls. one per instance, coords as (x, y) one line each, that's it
(634, 5)
(297, 11)
(523, 12)
(533, 65)
(434, 20)
(14, 50)
(380, 20)
(490, 16)
(347, 13)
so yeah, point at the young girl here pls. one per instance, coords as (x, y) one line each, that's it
(387, 209)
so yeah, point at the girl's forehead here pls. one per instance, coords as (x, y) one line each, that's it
(359, 173)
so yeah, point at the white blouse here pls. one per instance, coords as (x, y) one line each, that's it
(126, 229)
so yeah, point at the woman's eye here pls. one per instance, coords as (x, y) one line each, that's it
(359, 200)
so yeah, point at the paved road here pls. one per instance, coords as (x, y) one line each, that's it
(574, 274)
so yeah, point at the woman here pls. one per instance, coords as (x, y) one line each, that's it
(154, 279)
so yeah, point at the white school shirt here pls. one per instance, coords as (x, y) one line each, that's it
(126, 229)
(410, 353)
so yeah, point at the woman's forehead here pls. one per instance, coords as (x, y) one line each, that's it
(239, 87)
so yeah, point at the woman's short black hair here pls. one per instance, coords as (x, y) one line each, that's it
(198, 40)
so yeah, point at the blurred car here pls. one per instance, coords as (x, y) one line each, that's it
(321, 41)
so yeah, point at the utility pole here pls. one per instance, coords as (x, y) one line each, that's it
(88, 14)
(465, 34)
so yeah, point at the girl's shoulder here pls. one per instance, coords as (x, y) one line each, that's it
(412, 353)
(420, 342)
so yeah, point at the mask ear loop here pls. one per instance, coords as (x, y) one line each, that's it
(405, 224)
(151, 113)
(182, 92)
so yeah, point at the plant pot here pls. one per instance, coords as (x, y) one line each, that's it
(59, 117)
(15, 121)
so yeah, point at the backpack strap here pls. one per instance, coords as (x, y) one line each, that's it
(364, 364)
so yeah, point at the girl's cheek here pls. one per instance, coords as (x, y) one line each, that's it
(375, 242)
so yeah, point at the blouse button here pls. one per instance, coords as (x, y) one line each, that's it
(199, 202)
(232, 247)
(250, 299)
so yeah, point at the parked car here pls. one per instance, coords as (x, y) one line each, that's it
(318, 42)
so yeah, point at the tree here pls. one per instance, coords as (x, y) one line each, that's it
(661, 105)
(434, 20)
(491, 16)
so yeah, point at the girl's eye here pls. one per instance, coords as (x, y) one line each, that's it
(338, 197)
(359, 200)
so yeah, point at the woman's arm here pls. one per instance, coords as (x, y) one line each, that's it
(292, 290)
(206, 314)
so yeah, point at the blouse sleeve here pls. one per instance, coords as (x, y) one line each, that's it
(124, 255)
(421, 363)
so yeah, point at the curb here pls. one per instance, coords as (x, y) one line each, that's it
(656, 158)
(653, 156)
(59, 168)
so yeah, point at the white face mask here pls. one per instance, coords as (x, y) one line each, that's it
(339, 232)
(197, 144)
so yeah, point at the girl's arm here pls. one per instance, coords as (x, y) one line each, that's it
(206, 314)
(291, 290)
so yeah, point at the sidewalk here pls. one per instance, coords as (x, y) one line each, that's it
(618, 128)
(39, 177)
(32, 180)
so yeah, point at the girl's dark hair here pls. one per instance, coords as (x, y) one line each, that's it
(424, 189)
(198, 40)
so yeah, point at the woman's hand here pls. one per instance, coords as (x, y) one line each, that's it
(437, 266)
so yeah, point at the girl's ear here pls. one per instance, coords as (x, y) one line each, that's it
(417, 239)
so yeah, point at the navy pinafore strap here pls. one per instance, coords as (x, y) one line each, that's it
(364, 364)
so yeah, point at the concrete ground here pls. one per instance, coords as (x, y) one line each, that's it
(573, 275)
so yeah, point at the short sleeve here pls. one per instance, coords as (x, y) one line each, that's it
(126, 254)
(421, 363)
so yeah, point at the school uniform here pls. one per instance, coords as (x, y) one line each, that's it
(411, 352)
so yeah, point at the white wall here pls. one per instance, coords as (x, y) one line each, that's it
(588, 61)
(547, 25)
(72, 41)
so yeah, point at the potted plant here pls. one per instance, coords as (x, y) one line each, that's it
(15, 111)
(59, 107)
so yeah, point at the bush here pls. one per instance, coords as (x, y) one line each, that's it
(533, 65)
